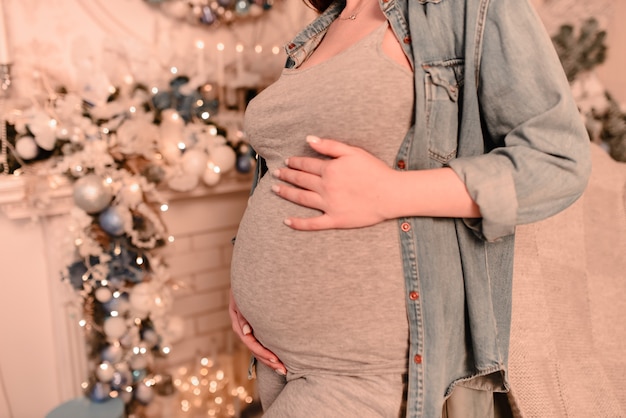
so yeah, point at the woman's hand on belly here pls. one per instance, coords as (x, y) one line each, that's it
(244, 332)
(349, 188)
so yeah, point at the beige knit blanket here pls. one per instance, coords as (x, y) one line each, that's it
(568, 338)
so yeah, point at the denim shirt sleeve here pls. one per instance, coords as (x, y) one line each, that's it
(539, 161)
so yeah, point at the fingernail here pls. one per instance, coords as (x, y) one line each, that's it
(246, 329)
(286, 161)
(275, 188)
(281, 372)
(287, 222)
(276, 173)
(312, 139)
(273, 360)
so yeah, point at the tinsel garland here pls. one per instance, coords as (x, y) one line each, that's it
(213, 12)
(118, 156)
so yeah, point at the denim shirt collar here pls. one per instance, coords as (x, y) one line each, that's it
(310, 37)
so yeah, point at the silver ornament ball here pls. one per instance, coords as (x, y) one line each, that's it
(92, 194)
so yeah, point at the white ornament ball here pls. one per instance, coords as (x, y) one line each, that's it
(105, 372)
(138, 361)
(26, 147)
(211, 176)
(175, 329)
(224, 157)
(144, 393)
(177, 9)
(151, 338)
(194, 162)
(46, 139)
(132, 194)
(142, 297)
(170, 151)
(183, 182)
(103, 294)
(114, 327)
(92, 194)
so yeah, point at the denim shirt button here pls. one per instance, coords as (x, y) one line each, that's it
(406, 227)
(401, 164)
(417, 359)
(291, 46)
(407, 39)
(414, 295)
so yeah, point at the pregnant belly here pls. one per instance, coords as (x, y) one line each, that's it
(324, 299)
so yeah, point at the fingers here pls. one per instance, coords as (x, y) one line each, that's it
(302, 179)
(242, 328)
(301, 197)
(316, 223)
(264, 355)
(329, 147)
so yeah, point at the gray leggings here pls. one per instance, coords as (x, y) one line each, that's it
(376, 396)
(329, 396)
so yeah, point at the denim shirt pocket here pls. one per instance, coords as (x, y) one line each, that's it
(443, 84)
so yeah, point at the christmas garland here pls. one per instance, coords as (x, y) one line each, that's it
(580, 52)
(213, 12)
(118, 156)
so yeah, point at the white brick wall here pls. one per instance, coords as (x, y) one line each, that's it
(199, 259)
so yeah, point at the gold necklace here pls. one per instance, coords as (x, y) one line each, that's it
(355, 12)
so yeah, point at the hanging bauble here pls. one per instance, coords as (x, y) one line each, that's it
(183, 182)
(162, 100)
(144, 393)
(224, 157)
(242, 7)
(99, 392)
(211, 175)
(126, 393)
(131, 194)
(121, 379)
(207, 16)
(111, 220)
(175, 329)
(63, 133)
(103, 294)
(114, 327)
(113, 353)
(194, 162)
(119, 303)
(255, 10)
(26, 147)
(77, 136)
(75, 273)
(244, 163)
(43, 129)
(139, 375)
(150, 337)
(177, 9)
(105, 371)
(92, 194)
(138, 361)
(142, 297)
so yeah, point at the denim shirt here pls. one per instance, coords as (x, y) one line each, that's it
(492, 103)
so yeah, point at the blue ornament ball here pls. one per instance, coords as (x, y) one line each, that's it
(112, 353)
(111, 221)
(244, 163)
(99, 392)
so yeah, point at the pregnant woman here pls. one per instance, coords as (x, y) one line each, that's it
(371, 274)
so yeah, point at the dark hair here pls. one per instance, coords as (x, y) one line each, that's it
(319, 5)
